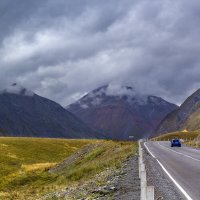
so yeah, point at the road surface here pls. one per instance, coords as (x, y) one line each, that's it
(182, 164)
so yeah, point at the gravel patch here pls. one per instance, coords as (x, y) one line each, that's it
(164, 187)
(128, 186)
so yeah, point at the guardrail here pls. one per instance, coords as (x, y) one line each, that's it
(147, 192)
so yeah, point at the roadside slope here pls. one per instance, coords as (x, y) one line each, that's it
(94, 169)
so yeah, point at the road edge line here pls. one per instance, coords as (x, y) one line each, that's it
(149, 150)
(174, 181)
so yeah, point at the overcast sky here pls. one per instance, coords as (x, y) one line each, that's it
(62, 49)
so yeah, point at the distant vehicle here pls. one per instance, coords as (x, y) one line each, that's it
(175, 143)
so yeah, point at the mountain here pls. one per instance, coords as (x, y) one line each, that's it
(120, 111)
(24, 113)
(187, 116)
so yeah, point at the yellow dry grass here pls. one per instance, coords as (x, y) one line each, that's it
(24, 164)
(194, 143)
(37, 167)
(190, 138)
(185, 135)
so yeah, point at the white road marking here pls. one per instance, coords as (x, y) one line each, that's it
(175, 182)
(179, 153)
(170, 176)
(149, 150)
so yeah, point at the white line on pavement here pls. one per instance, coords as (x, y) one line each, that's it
(179, 153)
(149, 150)
(175, 182)
(170, 176)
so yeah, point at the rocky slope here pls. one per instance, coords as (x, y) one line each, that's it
(185, 117)
(24, 113)
(120, 111)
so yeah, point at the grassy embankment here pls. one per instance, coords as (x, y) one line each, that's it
(191, 138)
(24, 164)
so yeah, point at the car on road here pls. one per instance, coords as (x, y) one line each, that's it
(175, 143)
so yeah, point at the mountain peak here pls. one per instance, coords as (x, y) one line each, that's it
(120, 111)
(117, 92)
(113, 90)
(121, 90)
(17, 90)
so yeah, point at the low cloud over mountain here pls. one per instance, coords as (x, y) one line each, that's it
(63, 49)
(24, 113)
(121, 111)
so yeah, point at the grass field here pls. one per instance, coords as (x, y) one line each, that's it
(195, 142)
(24, 164)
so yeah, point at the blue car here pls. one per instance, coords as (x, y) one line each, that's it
(175, 143)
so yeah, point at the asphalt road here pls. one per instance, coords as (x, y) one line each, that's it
(182, 164)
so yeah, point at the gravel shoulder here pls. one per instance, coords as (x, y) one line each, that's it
(128, 185)
(164, 187)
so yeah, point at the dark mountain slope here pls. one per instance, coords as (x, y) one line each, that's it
(23, 113)
(120, 111)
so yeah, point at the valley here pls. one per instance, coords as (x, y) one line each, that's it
(89, 149)
(99, 100)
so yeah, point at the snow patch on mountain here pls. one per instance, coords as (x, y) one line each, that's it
(84, 106)
(119, 90)
(96, 101)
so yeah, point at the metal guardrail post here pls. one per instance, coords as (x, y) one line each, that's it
(147, 192)
(143, 186)
(150, 193)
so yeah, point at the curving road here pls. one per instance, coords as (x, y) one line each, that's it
(181, 164)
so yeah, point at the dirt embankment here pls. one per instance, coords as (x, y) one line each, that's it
(119, 184)
(74, 157)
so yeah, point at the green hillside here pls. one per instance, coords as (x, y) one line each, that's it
(24, 163)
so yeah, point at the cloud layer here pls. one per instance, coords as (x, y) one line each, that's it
(63, 49)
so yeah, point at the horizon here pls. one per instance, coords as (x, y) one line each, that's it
(113, 91)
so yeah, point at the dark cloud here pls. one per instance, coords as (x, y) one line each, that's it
(63, 49)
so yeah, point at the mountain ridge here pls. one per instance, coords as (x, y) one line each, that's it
(187, 116)
(24, 113)
(120, 111)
